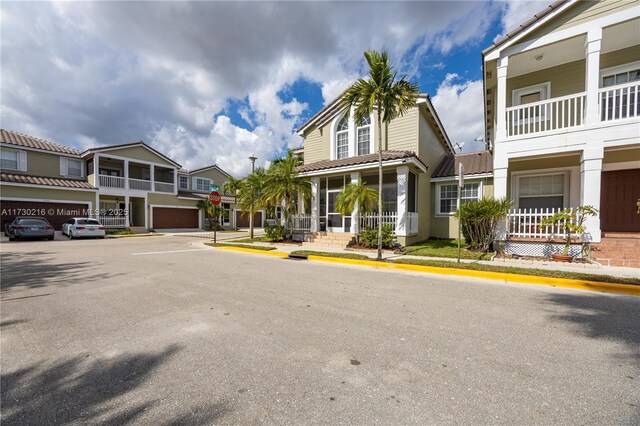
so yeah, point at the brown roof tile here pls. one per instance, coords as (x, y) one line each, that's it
(204, 195)
(360, 159)
(19, 139)
(473, 163)
(45, 181)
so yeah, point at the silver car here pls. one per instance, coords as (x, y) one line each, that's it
(29, 227)
(83, 227)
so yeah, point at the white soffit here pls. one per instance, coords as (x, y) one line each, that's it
(548, 56)
(620, 36)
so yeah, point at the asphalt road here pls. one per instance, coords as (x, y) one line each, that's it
(159, 331)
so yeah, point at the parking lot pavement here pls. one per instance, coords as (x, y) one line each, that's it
(159, 330)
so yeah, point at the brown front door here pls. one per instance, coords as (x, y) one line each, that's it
(619, 199)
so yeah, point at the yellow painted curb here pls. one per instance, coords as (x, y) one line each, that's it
(499, 276)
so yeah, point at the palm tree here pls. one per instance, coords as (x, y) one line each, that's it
(356, 194)
(381, 92)
(211, 211)
(283, 185)
(231, 186)
(248, 192)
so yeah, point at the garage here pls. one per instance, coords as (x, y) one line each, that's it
(242, 219)
(173, 218)
(55, 213)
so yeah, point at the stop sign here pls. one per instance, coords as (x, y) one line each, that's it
(215, 198)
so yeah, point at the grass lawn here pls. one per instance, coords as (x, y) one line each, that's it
(262, 239)
(444, 248)
(125, 231)
(249, 246)
(326, 254)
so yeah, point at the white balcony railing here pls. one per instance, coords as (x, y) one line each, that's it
(546, 116)
(525, 223)
(620, 101)
(163, 187)
(140, 184)
(300, 223)
(111, 181)
(113, 221)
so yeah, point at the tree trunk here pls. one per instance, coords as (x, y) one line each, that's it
(379, 182)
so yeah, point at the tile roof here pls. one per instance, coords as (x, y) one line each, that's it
(45, 181)
(473, 163)
(131, 144)
(360, 159)
(204, 195)
(19, 139)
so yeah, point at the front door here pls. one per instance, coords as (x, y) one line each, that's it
(619, 198)
(334, 219)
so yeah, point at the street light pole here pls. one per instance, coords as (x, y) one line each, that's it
(253, 159)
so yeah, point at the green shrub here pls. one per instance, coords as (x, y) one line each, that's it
(369, 237)
(275, 232)
(479, 220)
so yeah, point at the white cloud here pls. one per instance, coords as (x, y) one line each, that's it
(459, 105)
(517, 12)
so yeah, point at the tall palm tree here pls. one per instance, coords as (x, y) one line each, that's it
(249, 191)
(383, 93)
(231, 186)
(283, 185)
(356, 194)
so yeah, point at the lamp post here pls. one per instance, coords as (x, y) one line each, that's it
(253, 159)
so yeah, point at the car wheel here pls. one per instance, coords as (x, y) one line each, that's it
(50, 238)
(70, 235)
(102, 238)
(12, 238)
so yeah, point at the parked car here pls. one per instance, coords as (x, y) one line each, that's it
(83, 227)
(29, 227)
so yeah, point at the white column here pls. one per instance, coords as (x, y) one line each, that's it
(175, 181)
(315, 204)
(592, 74)
(352, 135)
(402, 200)
(501, 99)
(355, 214)
(590, 178)
(500, 182)
(301, 207)
(96, 170)
(126, 207)
(152, 173)
(126, 174)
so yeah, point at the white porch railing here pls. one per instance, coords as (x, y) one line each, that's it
(163, 187)
(111, 181)
(412, 223)
(370, 220)
(545, 116)
(300, 223)
(525, 223)
(140, 184)
(113, 221)
(620, 101)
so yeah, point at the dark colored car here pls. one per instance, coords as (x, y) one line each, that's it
(29, 227)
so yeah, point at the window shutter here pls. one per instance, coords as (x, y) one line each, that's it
(22, 161)
(63, 166)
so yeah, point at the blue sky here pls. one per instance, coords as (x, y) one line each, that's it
(214, 82)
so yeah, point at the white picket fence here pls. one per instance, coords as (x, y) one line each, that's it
(113, 221)
(370, 220)
(300, 223)
(525, 223)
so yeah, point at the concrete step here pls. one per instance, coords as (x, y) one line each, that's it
(138, 229)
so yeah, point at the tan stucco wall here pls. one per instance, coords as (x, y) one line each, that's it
(137, 153)
(43, 164)
(620, 57)
(402, 133)
(213, 174)
(565, 79)
(46, 193)
(316, 144)
(169, 200)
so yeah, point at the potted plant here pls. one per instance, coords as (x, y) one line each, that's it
(571, 221)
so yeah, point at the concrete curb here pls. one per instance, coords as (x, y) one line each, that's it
(498, 276)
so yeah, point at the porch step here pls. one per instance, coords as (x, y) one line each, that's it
(138, 229)
(330, 239)
(618, 251)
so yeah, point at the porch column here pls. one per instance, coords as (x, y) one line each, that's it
(315, 204)
(590, 178)
(301, 207)
(96, 170)
(592, 74)
(126, 174)
(175, 181)
(127, 221)
(152, 172)
(355, 214)
(402, 200)
(500, 182)
(501, 99)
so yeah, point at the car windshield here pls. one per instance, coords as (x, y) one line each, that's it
(27, 222)
(88, 222)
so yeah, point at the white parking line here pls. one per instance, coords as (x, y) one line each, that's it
(170, 251)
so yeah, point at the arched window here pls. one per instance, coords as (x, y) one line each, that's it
(363, 135)
(342, 139)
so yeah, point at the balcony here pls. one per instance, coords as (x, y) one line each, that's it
(619, 102)
(546, 116)
(164, 187)
(128, 175)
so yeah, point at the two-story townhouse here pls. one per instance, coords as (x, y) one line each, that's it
(562, 111)
(338, 151)
(127, 185)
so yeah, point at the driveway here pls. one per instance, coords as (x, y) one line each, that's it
(159, 330)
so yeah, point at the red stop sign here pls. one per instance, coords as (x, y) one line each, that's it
(215, 198)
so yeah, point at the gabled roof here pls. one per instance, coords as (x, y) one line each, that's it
(18, 139)
(45, 181)
(359, 160)
(129, 145)
(473, 163)
(202, 169)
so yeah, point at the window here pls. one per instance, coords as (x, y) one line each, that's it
(203, 184)
(529, 95)
(389, 197)
(9, 160)
(364, 137)
(342, 139)
(183, 182)
(542, 191)
(617, 103)
(448, 196)
(620, 78)
(74, 167)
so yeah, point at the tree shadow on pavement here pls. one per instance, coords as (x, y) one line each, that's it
(80, 390)
(38, 270)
